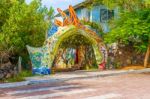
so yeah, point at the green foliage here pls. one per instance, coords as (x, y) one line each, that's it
(75, 41)
(132, 29)
(15, 79)
(26, 73)
(23, 24)
(124, 5)
(94, 25)
(4, 11)
(117, 65)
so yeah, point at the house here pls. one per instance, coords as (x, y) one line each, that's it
(98, 13)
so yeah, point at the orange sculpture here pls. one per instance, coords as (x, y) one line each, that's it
(73, 20)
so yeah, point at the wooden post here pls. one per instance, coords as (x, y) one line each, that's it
(76, 59)
(147, 55)
(19, 65)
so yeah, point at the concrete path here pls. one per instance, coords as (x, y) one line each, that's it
(65, 76)
(80, 75)
(127, 86)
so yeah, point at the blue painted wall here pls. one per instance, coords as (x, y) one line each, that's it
(95, 16)
(95, 12)
(78, 12)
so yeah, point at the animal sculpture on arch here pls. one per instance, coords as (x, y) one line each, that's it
(43, 58)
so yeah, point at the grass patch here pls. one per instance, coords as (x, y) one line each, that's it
(17, 78)
(26, 73)
(90, 68)
(20, 77)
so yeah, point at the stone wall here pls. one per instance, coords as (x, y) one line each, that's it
(124, 56)
(7, 70)
(8, 66)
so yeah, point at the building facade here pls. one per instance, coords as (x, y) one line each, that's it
(98, 13)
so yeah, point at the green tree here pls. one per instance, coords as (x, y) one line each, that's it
(94, 26)
(133, 26)
(124, 5)
(23, 24)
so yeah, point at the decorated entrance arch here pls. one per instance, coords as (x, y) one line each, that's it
(67, 39)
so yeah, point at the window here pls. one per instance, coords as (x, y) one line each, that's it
(105, 15)
(85, 14)
(88, 15)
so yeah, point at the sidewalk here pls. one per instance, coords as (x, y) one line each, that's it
(60, 77)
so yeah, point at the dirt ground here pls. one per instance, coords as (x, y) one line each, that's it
(138, 67)
(134, 67)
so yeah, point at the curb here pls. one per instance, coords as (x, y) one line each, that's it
(15, 84)
(32, 82)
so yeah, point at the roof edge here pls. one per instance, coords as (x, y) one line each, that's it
(82, 4)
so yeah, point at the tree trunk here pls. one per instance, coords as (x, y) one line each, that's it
(147, 55)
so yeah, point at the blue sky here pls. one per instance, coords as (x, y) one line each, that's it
(63, 4)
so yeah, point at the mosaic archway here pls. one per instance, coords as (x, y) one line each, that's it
(43, 58)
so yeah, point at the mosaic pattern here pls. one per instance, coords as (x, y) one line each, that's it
(36, 56)
(43, 58)
(52, 30)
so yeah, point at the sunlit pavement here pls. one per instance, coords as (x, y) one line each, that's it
(129, 86)
(65, 76)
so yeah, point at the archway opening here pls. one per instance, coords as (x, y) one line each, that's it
(75, 52)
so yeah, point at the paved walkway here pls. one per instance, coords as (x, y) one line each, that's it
(83, 74)
(65, 76)
(127, 86)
